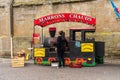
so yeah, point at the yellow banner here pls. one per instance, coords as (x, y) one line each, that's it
(39, 52)
(87, 47)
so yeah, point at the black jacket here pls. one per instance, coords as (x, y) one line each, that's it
(61, 43)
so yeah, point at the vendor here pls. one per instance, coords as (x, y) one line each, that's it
(61, 45)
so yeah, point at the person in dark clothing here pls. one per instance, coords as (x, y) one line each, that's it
(61, 45)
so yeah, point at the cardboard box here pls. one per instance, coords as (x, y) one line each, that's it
(18, 62)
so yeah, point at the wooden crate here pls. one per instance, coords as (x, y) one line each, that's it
(18, 62)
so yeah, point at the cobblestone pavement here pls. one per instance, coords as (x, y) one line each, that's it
(108, 71)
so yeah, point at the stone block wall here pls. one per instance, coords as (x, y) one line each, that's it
(4, 28)
(25, 11)
(21, 43)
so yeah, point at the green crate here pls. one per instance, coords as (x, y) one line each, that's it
(99, 60)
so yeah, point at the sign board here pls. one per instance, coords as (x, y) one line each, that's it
(87, 47)
(39, 52)
(64, 17)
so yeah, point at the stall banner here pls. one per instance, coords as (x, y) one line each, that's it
(87, 47)
(39, 52)
(64, 17)
(116, 10)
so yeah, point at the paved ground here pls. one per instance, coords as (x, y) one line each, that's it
(108, 71)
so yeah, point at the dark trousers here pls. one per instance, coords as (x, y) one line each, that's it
(61, 58)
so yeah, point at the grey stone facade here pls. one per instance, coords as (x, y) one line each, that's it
(25, 11)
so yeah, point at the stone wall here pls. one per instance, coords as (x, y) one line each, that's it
(24, 14)
(4, 27)
(107, 26)
(4, 18)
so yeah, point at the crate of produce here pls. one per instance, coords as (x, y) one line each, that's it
(18, 62)
(76, 65)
